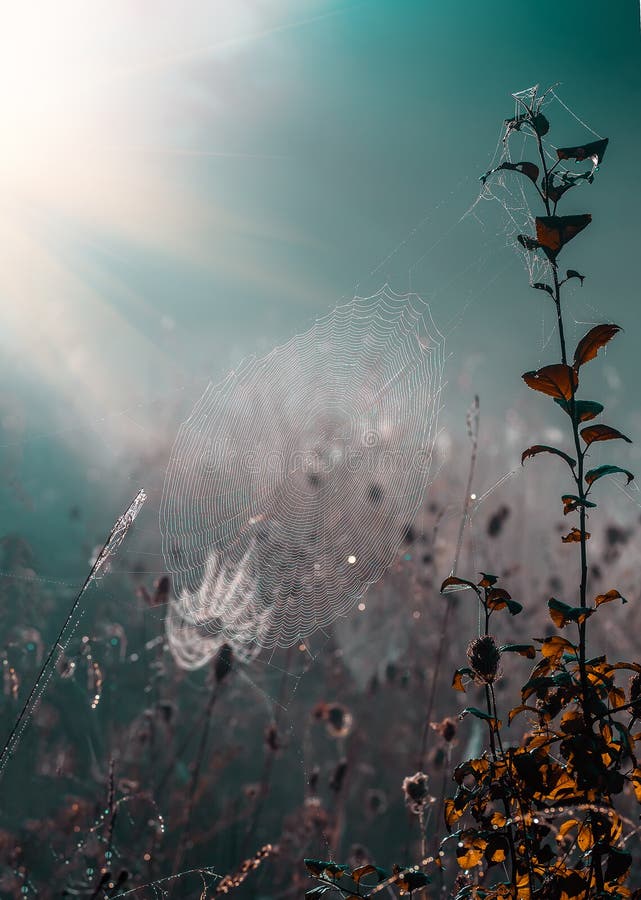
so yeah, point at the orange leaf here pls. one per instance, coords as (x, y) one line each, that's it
(602, 433)
(469, 853)
(543, 448)
(555, 646)
(591, 343)
(556, 381)
(607, 597)
(574, 537)
(450, 812)
(553, 232)
(457, 681)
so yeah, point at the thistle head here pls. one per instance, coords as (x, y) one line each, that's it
(484, 659)
(415, 792)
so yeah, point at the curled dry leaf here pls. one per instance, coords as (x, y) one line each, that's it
(525, 168)
(574, 537)
(558, 381)
(602, 433)
(543, 448)
(452, 583)
(595, 151)
(608, 597)
(571, 502)
(591, 343)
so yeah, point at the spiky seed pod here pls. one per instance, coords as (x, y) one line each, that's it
(484, 658)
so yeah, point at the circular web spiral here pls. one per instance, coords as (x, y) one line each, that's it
(291, 484)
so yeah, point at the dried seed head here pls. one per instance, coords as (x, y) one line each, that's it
(484, 658)
(415, 792)
(338, 719)
(375, 802)
(447, 729)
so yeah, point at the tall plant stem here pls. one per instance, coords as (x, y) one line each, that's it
(578, 476)
(497, 752)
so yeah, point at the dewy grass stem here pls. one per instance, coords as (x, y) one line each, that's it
(59, 646)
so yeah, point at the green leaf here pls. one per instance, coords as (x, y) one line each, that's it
(527, 650)
(572, 502)
(473, 711)
(584, 410)
(561, 613)
(601, 471)
(487, 580)
(514, 607)
(321, 868)
(543, 448)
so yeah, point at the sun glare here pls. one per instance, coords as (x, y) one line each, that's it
(95, 106)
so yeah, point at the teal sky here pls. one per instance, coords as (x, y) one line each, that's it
(200, 186)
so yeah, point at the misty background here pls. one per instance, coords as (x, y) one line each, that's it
(187, 184)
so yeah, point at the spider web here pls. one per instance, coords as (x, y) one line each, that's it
(233, 586)
(291, 484)
(509, 189)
